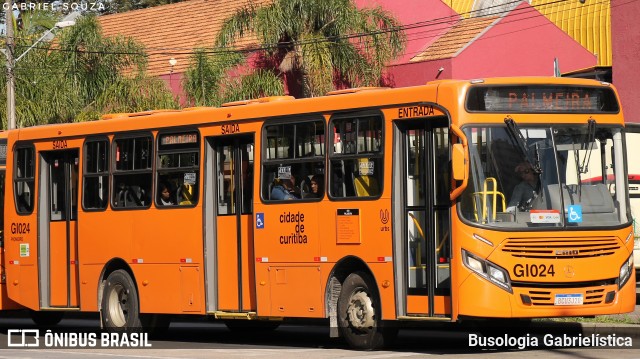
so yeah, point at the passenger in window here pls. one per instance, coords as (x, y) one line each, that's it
(295, 188)
(135, 196)
(165, 194)
(283, 190)
(526, 191)
(120, 194)
(187, 193)
(317, 187)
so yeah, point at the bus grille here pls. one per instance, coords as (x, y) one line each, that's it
(561, 248)
(542, 298)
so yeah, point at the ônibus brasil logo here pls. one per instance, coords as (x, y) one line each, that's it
(30, 338)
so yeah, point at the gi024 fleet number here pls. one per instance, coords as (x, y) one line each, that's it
(533, 270)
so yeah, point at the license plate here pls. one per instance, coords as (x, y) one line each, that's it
(569, 299)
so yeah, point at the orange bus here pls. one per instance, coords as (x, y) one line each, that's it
(368, 207)
(5, 302)
(39, 317)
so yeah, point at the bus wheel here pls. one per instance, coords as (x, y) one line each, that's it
(120, 308)
(359, 316)
(46, 319)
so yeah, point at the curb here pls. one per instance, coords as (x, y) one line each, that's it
(627, 330)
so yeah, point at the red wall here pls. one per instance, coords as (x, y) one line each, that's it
(419, 73)
(522, 44)
(174, 82)
(625, 43)
(425, 21)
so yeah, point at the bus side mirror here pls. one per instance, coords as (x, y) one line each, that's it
(458, 162)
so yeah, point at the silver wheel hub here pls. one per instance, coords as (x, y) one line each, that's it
(360, 311)
(117, 306)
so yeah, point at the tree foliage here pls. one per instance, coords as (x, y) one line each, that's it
(315, 45)
(208, 81)
(80, 76)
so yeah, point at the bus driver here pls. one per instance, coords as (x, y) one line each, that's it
(526, 190)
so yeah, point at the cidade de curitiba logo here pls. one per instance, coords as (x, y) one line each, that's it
(31, 338)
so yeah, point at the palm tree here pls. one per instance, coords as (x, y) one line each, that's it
(207, 81)
(109, 73)
(80, 76)
(317, 44)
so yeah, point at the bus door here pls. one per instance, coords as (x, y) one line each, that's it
(421, 181)
(58, 237)
(229, 266)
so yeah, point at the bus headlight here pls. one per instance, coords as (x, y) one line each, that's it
(487, 270)
(625, 272)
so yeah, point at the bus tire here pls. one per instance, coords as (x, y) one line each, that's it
(120, 307)
(46, 319)
(359, 316)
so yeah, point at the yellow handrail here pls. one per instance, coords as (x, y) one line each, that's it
(421, 232)
(484, 194)
(418, 250)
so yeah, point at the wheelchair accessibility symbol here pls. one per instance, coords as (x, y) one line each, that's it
(574, 214)
(259, 220)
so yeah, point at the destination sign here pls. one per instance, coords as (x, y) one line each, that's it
(179, 139)
(542, 98)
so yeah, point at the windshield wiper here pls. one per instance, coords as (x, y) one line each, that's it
(587, 145)
(591, 139)
(514, 132)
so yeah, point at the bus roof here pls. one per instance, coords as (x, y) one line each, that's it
(283, 106)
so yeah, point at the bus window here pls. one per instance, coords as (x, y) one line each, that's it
(294, 154)
(545, 170)
(178, 168)
(96, 174)
(24, 180)
(356, 159)
(132, 173)
(235, 175)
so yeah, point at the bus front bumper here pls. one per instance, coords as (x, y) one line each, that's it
(480, 298)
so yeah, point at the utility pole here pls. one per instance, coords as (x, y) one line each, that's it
(11, 85)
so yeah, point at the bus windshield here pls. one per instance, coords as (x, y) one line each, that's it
(545, 176)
